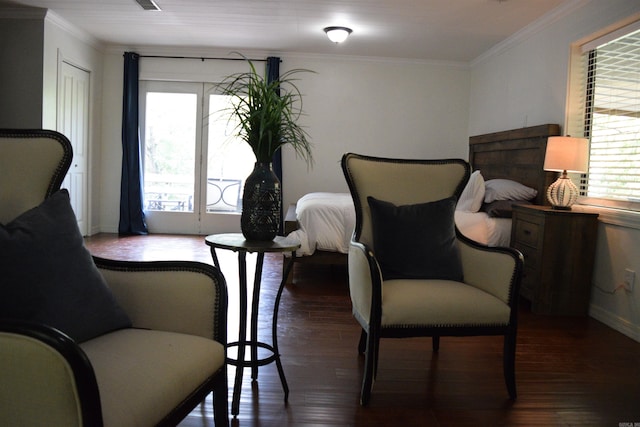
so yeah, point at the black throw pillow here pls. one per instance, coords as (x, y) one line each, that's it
(48, 276)
(502, 208)
(416, 241)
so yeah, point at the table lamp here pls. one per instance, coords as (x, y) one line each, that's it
(565, 154)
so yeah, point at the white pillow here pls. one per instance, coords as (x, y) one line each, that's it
(505, 189)
(471, 198)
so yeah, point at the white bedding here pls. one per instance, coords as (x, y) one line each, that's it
(326, 222)
(479, 226)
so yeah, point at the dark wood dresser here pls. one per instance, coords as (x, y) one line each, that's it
(559, 251)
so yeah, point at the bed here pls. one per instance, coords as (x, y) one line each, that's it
(322, 222)
(508, 162)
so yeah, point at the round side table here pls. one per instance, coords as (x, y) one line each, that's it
(237, 243)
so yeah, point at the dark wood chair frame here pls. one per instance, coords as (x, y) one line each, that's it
(83, 374)
(369, 343)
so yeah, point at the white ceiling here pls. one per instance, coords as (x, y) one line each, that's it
(447, 30)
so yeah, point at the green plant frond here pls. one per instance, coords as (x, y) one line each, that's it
(267, 112)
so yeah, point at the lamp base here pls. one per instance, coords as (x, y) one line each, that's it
(563, 193)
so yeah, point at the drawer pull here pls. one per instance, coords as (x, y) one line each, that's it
(527, 232)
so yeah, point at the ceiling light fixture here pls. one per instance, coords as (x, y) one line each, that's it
(338, 34)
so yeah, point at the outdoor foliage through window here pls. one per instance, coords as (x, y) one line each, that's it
(169, 151)
(192, 160)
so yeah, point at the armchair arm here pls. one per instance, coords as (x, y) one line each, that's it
(46, 378)
(177, 296)
(496, 270)
(365, 283)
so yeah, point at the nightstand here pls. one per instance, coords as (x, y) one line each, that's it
(559, 250)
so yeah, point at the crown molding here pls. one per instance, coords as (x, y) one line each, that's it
(47, 15)
(76, 32)
(532, 29)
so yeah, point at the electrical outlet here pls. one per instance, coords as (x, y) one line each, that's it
(629, 277)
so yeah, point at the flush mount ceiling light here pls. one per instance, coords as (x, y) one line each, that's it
(338, 34)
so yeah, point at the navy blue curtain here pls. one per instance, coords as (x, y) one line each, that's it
(131, 213)
(273, 73)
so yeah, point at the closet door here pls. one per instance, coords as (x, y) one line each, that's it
(73, 122)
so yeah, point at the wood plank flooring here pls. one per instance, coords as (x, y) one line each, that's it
(569, 371)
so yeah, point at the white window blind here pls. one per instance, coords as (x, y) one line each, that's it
(612, 121)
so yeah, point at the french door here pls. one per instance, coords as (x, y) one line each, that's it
(194, 168)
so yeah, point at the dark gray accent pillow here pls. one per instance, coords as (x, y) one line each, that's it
(416, 241)
(502, 208)
(48, 276)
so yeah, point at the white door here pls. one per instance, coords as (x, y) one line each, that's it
(194, 169)
(73, 122)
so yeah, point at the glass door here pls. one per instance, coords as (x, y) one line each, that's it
(194, 168)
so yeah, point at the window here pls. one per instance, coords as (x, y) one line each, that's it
(611, 119)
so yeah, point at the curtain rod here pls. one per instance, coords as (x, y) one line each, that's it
(202, 58)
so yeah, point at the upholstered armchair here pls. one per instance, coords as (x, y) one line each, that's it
(90, 341)
(411, 273)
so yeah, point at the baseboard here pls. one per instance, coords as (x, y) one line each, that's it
(615, 322)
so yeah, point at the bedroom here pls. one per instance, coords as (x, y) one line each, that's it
(440, 103)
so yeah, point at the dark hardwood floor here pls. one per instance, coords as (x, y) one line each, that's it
(570, 371)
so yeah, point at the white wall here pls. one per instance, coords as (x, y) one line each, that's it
(524, 82)
(62, 42)
(111, 147)
(32, 43)
(372, 106)
(618, 248)
(378, 107)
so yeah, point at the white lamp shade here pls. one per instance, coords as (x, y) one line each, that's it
(566, 153)
(337, 34)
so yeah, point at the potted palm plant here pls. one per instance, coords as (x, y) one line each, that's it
(266, 114)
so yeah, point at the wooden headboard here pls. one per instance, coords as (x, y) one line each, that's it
(516, 154)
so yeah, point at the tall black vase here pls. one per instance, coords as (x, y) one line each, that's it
(260, 219)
